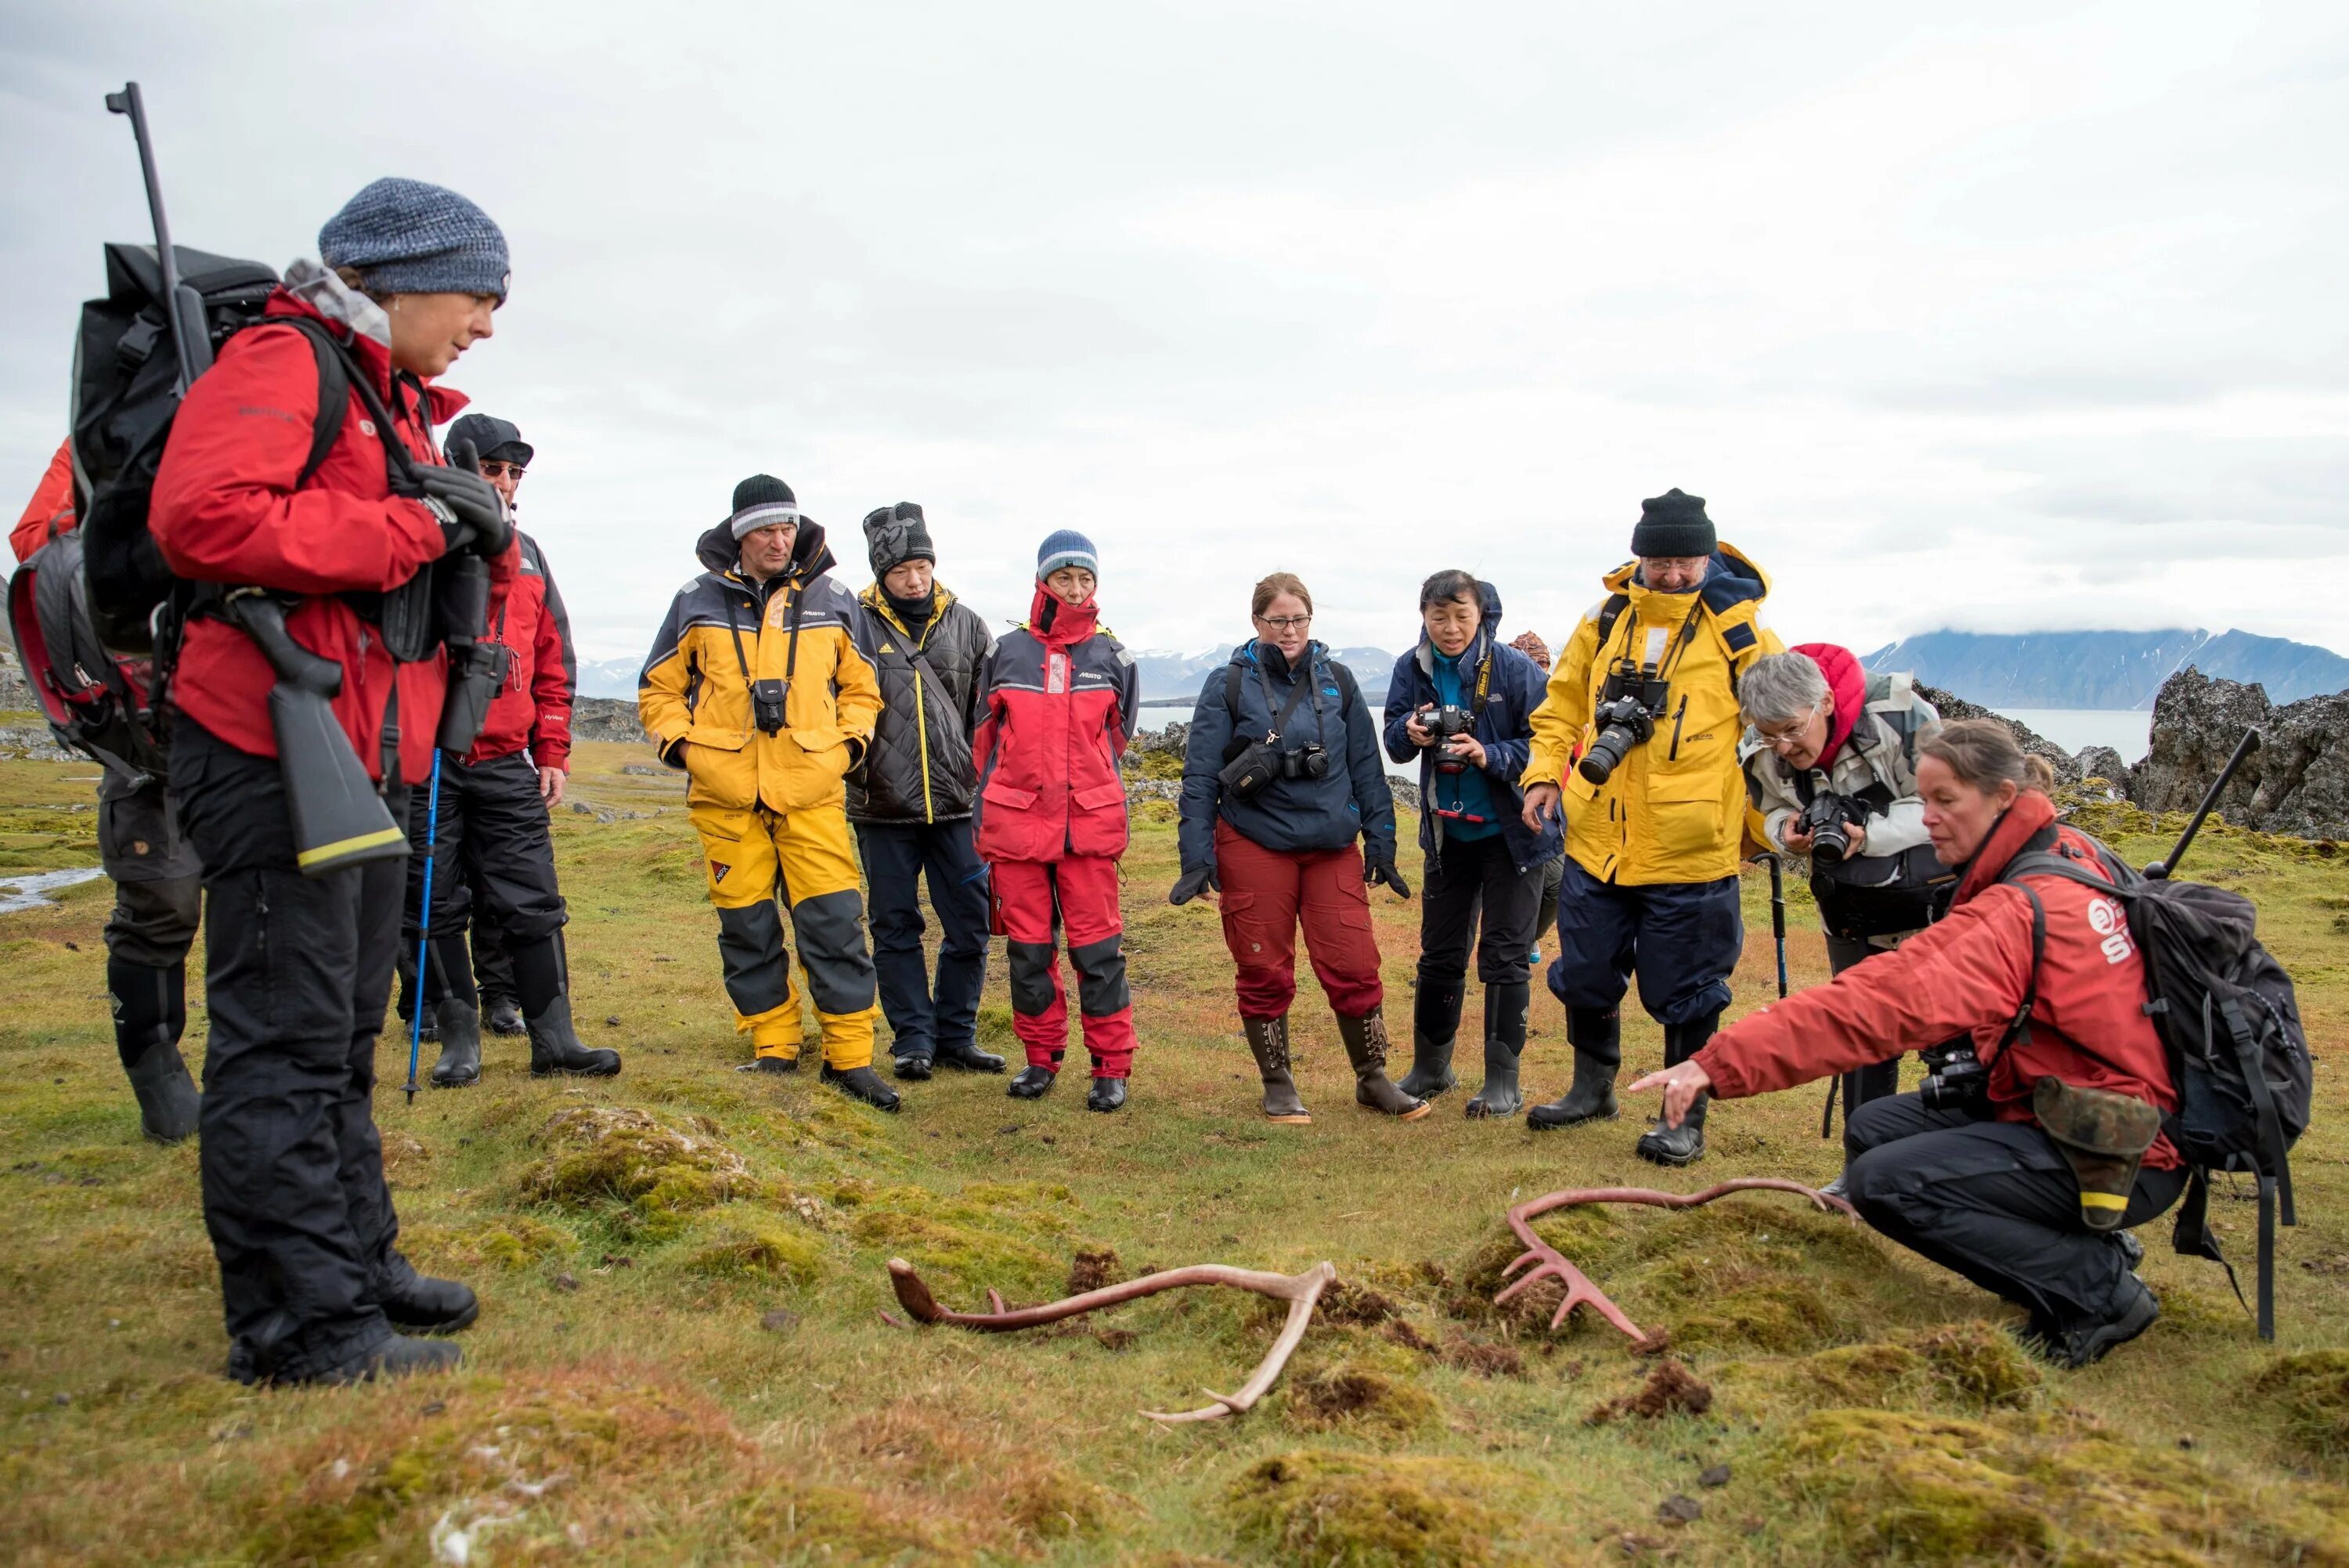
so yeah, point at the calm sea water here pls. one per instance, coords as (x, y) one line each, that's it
(2127, 730)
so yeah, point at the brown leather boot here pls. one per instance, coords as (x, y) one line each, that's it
(1366, 1048)
(1268, 1040)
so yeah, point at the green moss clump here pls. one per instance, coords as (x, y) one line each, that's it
(1048, 1500)
(954, 1253)
(763, 1252)
(1978, 1364)
(1975, 1367)
(2311, 1391)
(1853, 1375)
(1888, 1485)
(601, 1153)
(511, 1242)
(1362, 1510)
(1369, 1393)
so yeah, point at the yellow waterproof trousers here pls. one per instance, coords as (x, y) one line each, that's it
(761, 863)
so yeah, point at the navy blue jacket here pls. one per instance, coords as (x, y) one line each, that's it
(1505, 726)
(1324, 813)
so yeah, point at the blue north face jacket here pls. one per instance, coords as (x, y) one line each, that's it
(1513, 689)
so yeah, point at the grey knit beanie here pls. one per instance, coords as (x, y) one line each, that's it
(404, 236)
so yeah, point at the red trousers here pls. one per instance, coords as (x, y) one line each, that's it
(1079, 892)
(1267, 894)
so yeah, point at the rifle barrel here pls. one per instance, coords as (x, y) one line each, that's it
(2243, 747)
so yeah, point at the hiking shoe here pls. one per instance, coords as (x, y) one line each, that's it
(423, 1305)
(1033, 1083)
(965, 1057)
(769, 1065)
(397, 1357)
(914, 1066)
(861, 1083)
(2133, 1313)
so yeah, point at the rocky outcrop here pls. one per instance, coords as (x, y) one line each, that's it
(606, 719)
(2296, 783)
(1950, 705)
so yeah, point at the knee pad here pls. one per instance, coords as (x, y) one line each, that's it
(750, 948)
(1101, 977)
(1031, 977)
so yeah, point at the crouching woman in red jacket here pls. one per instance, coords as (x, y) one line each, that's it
(1975, 1182)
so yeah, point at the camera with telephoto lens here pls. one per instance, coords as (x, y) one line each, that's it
(767, 706)
(1625, 717)
(1957, 1078)
(1825, 818)
(1443, 723)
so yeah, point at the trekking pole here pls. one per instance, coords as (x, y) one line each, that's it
(2159, 870)
(424, 926)
(190, 339)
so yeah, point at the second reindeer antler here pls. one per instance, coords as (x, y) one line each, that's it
(1301, 1292)
(1580, 1292)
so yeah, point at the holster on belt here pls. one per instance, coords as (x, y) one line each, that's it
(2104, 1137)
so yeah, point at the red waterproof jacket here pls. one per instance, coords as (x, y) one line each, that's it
(1057, 700)
(533, 709)
(52, 504)
(1967, 974)
(225, 509)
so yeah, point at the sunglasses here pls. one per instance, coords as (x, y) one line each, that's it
(498, 470)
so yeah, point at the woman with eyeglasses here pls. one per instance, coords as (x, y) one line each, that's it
(1281, 778)
(1830, 757)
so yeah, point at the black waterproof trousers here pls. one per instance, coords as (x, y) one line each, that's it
(157, 901)
(1474, 893)
(297, 971)
(897, 857)
(493, 861)
(1994, 1202)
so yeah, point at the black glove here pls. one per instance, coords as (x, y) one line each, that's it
(1191, 885)
(1382, 870)
(473, 514)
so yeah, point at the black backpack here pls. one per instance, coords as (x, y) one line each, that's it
(2231, 1024)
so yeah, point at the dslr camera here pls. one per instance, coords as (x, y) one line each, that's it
(1957, 1080)
(1306, 762)
(1443, 723)
(1626, 717)
(1825, 818)
(767, 704)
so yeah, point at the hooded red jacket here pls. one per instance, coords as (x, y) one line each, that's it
(52, 506)
(1966, 974)
(225, 509)
(533, 709)
(1057, 700)
(1849, 682)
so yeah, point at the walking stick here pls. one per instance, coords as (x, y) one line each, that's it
(1778, 931)
(424, 926)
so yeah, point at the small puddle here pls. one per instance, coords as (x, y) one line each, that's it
(27, 890)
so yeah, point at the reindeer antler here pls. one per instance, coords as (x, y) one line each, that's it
(1301, 1292)
(1579, 1291)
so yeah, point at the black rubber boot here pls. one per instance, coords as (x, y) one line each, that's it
(1107, 1094)
(1505, 1047)
(1268, 1041)
(914, 1066)
(502, 1016)
(149, 1010)
(965, 1057)
(1684, 1144)
(398, 1357)
(773, 1065)
(460, 1065)
(1596, 1038)
(861, 1083)
(555, 1048)
(168, 1101)
(1032, 1083)
(1366, 1048)
(1435, 1027)
(423, 1304)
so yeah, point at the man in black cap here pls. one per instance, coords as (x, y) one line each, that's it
(1636, 743)
(912, 806)
(493, 855)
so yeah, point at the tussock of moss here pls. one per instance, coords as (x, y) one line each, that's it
(1888, 1485)
(598, 1154)
(844, 1524)
(1362, 1510)
(982, 1237)
(1366, 1393)
(508, 1242)
(2310, 1391)
(1048, 1500)
(759, 1252)
(1975, 1367)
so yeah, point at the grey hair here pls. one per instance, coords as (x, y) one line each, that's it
(1780, 687)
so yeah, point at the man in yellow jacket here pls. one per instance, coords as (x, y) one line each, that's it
(756, 689)
(1636, 741)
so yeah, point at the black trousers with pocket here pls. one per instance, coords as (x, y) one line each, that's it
(297, 971)
(493, 870)
(898, 856)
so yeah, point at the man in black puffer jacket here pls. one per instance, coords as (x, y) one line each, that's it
(911, 805)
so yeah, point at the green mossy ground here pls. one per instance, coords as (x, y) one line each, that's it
(681, 1356)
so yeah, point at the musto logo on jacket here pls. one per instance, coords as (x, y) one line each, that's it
(2111, 926)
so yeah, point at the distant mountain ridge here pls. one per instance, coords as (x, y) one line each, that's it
(1169, 678)
(2107, 669)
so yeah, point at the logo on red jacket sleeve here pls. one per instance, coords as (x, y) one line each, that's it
(2105, 917)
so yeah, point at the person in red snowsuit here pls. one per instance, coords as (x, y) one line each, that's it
(298, 968)
(1979, 1187)
(1057, 704)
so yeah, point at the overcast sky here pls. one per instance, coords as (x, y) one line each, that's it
(2031, 320)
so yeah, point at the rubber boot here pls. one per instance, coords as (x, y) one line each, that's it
(861, 1083)
(964, 1056)
(1034, 1082)
(1505, 1046)
(1684, 1144)
(1268, 1041)
(168, 1101)
(398, 1357)
(502, 1016)
(1434, 1025)
(149, 1010)
(1108, 1094)
(461, 1044)
(555, 1048)
(914, 1066)
(1596, 1038)
(776, 1065)
(1366, 1048)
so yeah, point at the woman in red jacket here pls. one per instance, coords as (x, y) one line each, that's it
(1975, 1182)
(1057, 700)
(298, 968)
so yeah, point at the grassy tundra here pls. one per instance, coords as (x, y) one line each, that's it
(679, 1357)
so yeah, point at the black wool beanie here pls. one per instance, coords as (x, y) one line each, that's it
(895, 535)
(1672, 527)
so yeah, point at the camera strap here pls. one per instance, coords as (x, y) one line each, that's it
(1304, 683)
(736, 629)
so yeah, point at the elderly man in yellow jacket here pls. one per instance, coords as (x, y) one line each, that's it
(756, 689)
(1636, 741)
